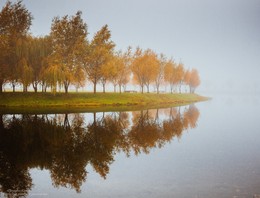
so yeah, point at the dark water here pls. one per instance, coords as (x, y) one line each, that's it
(210, 149)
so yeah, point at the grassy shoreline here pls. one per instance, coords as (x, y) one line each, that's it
(89, 100)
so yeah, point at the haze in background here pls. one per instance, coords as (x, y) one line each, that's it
(219, 38)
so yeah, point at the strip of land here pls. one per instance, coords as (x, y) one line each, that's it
(90, 100)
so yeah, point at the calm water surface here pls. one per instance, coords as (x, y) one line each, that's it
(210, 149)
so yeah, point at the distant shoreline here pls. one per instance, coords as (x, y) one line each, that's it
(30, 100)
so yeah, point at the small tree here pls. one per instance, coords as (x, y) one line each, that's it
(160, 72)
(194, 80)
(186, 78)
(26, 73)
(124, 68)
(117, 69)
(39, 48)
(180, 75)
(144, 67)
(170, 74)
(107, 71)
(53, 74)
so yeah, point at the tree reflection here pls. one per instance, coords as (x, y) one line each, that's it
(66, 144)
(145, 133)
(71, 156)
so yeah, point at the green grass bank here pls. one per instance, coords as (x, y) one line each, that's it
(90, 100)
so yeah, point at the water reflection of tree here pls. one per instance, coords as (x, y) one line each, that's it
(71, 156)
(66, 144)
(106, 136)
(145, 133)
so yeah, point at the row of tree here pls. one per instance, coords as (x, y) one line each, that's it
(66, 57)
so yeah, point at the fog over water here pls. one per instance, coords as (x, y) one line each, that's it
(219, 38)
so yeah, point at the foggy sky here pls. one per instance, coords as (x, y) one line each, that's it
(219, 38)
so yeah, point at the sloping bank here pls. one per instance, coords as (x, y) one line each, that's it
(93, 101)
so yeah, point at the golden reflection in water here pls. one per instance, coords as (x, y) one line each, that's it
(66, 144)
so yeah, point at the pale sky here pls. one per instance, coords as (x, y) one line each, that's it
(220, 38)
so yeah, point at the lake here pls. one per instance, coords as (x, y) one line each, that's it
(207, 149)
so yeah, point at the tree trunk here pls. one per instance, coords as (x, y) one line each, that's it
(171, 113)
(54, 89)
(157, 115)
(1, 86)
(95, 87)
(94, 118)
(115, 88)
(35, 87)
(142, 89)
(44, 86)
(104, 87)
(148, 91)
(66, 122)
(24, 88)
(157, 87)
(66, 87)
(1, 122)
(120, 89)
(13, 85)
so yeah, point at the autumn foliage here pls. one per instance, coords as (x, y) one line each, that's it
(66, 57)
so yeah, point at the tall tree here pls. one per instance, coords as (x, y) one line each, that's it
(99, 51)
(15, 21)
(68, 36)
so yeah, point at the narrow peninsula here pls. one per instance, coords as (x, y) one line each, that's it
(84, 100)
